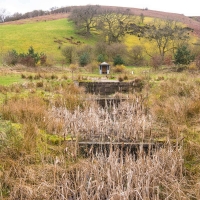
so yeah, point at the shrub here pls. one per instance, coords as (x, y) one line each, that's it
(168, 60)
(116, 51)
(119, 68)
(183, 55)
(100, 58)
(156, 61)
(53, 76)
(84, 59)
(92, 67)
(39, 84)
(23, 76)
(29, 59)
(136, 55)
(50, 61)
(118, 60)
(26, 60)
(69, 52)
(37, 76)
(120, 79)
(11, 58)
(125, 77)
(30, 77)
(73, 68)
(64, 77)
(192, 66)
(43, 59)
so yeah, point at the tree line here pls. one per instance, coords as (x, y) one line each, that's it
(111, 24)
(167, 37)
(5, 17)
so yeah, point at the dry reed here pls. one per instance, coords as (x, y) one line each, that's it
(31, 171)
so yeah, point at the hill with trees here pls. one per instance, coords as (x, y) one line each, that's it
(140, 143)
(191, 21)
(136, 32)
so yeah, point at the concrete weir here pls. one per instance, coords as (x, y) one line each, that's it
(104, 91)
(109, 87)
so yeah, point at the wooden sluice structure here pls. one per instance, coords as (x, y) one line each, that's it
(104, 95)
(89, 148)
(109, 101)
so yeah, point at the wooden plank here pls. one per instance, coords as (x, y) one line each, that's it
(88, 148)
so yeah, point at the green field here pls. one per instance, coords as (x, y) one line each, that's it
(50, 37)
(9, 79)
(42, 36)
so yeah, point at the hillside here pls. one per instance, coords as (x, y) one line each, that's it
(44, 33)
(39, 18)
(51, 33)
(192, 22)
(61, 137)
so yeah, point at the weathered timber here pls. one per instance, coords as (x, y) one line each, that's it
(87, 149)
(110, 101)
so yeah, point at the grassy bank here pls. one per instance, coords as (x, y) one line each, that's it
(45, 36)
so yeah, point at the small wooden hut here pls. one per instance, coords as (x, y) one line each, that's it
(104, 68)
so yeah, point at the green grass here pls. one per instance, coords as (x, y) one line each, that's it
(6, 80)
(40, 35)
(138, 70)
(49, 37)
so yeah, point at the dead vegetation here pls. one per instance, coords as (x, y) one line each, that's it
(159, 177)
(127, 121)
(38, 161)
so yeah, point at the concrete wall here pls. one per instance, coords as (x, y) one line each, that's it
(107, 88)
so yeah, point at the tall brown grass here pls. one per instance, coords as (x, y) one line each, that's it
(33, 168)
(127, 121)
(158, 177)
(175, 107)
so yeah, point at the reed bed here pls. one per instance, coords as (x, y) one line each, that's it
(158, 177)
(127, 121)
(32, 168)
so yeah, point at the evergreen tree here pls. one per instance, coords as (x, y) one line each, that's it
(118, 60)
(100, 58)
(84, 59)
(183, 55)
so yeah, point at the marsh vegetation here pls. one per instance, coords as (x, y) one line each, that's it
(41, 116)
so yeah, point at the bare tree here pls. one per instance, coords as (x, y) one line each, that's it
(73, 68)
(136, 55)
(113, 24)
(69, 52)
(84, 18)
(100, 48)
(141, 18)
(116, 49)
(2, 15)
(167, 35)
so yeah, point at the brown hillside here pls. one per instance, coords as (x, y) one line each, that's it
(40, 18)
(192, 22)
